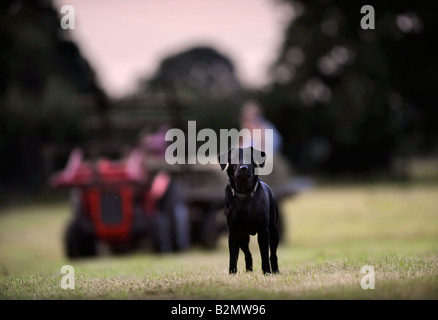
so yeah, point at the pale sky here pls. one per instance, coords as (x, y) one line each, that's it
(126, 39)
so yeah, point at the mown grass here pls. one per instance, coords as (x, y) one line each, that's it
(332, 231)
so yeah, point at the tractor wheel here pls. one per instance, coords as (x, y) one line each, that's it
(78, 244)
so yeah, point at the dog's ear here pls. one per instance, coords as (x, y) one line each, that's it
(224, 159)
(258, 157)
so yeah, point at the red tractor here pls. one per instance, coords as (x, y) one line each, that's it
(120, 204)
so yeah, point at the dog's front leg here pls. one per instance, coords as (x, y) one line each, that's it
(263, 240)
(233, 246)
(244, 245)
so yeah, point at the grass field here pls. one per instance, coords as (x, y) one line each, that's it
(332, 231)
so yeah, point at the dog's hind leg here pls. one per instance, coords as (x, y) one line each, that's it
(244, 245)
(273, 244)
(273, 237)
(263, 240)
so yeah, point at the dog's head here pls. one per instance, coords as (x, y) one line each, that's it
(242, 162)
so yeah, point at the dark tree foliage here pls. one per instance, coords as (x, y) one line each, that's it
(43, 82)
(348, 99)
(203, 84)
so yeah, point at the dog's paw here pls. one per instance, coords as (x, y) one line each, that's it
(233, 271)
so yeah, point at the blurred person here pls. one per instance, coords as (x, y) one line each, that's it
(173, 221)
(251, 118)
(154, 143)
(153, 146)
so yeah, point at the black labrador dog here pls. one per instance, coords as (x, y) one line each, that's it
(250, 208)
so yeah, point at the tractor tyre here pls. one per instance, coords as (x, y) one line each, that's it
(79, 244)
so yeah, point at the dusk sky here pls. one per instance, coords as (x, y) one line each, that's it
(124, 40)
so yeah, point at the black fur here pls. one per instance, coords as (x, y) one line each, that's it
(249, 212)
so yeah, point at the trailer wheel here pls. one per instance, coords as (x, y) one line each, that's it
(209, 230)
(78, 244)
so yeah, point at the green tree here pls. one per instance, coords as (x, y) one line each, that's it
(202, 83)
(44, 81)
(348, 99)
